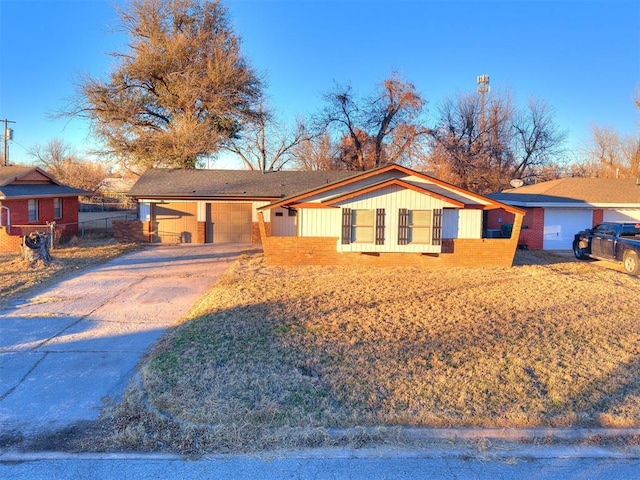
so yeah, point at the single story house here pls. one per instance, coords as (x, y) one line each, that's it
(30, 200)
(387, 216)
(558, 209)
(213, 206)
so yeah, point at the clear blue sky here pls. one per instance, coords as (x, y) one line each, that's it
(581, 57)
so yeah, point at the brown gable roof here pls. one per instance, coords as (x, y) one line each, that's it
(12, 174)
(574, 191)
(490, 203)
(250, 184)
(32, 182)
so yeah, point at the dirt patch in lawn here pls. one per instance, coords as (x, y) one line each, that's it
(17, 278)
(284, 356)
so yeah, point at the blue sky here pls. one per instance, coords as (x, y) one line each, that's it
(581, 57)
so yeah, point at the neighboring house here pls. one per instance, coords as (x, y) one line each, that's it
(30, 200)
(388, 216)
(558, 209)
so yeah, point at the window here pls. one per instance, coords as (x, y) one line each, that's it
(362, 226)
(33, 210)
(419, 226)
(57, 208)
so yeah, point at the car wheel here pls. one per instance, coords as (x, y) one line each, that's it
(580, 253)
(630, 262)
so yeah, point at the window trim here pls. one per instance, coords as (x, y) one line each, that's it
(33, 210)
(369, 226)
(57, 212)
(405, 227)
(377, 227)
(418, 227)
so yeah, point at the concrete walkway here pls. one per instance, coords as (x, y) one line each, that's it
(73, 346)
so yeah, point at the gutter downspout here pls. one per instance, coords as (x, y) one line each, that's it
(8, 218)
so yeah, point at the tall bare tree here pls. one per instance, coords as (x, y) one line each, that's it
(377, 130)
(482, 147)
(178, 92)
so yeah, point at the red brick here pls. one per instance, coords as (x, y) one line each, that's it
(285, 251)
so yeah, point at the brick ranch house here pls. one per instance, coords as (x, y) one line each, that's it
(558, 209)
(387, 216)
(30, 199)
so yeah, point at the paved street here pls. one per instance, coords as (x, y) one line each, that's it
(67, 349)
(373, 464)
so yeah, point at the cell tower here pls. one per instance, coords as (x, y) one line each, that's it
(483, 88)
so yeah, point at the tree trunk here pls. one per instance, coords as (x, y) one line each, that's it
(35, 248)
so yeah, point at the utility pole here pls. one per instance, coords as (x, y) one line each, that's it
(8, 135)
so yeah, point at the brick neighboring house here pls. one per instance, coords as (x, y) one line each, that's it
(30, 199)
(388, 216)
(558, 209)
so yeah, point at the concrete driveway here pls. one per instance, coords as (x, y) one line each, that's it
(71, 347)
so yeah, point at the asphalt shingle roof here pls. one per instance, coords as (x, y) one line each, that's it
(575, 191)
(9, 189)
(166, 182)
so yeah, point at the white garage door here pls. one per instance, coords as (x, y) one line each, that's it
(561, 224)
(622, 215)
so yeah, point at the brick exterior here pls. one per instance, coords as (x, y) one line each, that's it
(201, 232)
(532, 231)
(66, 227)
(255, 232)
(9, 243)
(598, 216)
(130, 230)
(287, 251)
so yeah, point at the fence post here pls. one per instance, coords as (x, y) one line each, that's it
(52, 233)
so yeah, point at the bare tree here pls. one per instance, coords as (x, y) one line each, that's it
(264, 144)
(537, 139)
(58, 159)
(377, 130)
(316, 153)
(180, 90)
(482, 147)
(604, 153)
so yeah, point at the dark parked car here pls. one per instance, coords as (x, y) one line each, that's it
(613, 241)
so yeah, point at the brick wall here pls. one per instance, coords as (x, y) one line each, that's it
(201, 232)
(532, 231)
(9, 243)
(255, 232)
(286, 251)
(130, 230)
(598, 217)
(66, 227)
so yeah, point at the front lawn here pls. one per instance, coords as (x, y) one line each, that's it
(280, 356)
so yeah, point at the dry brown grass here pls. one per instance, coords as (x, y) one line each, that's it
(278, 356)
(18, 278)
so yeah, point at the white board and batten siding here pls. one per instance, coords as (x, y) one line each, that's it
(327, 222)
(282, 223)
(461, 223)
